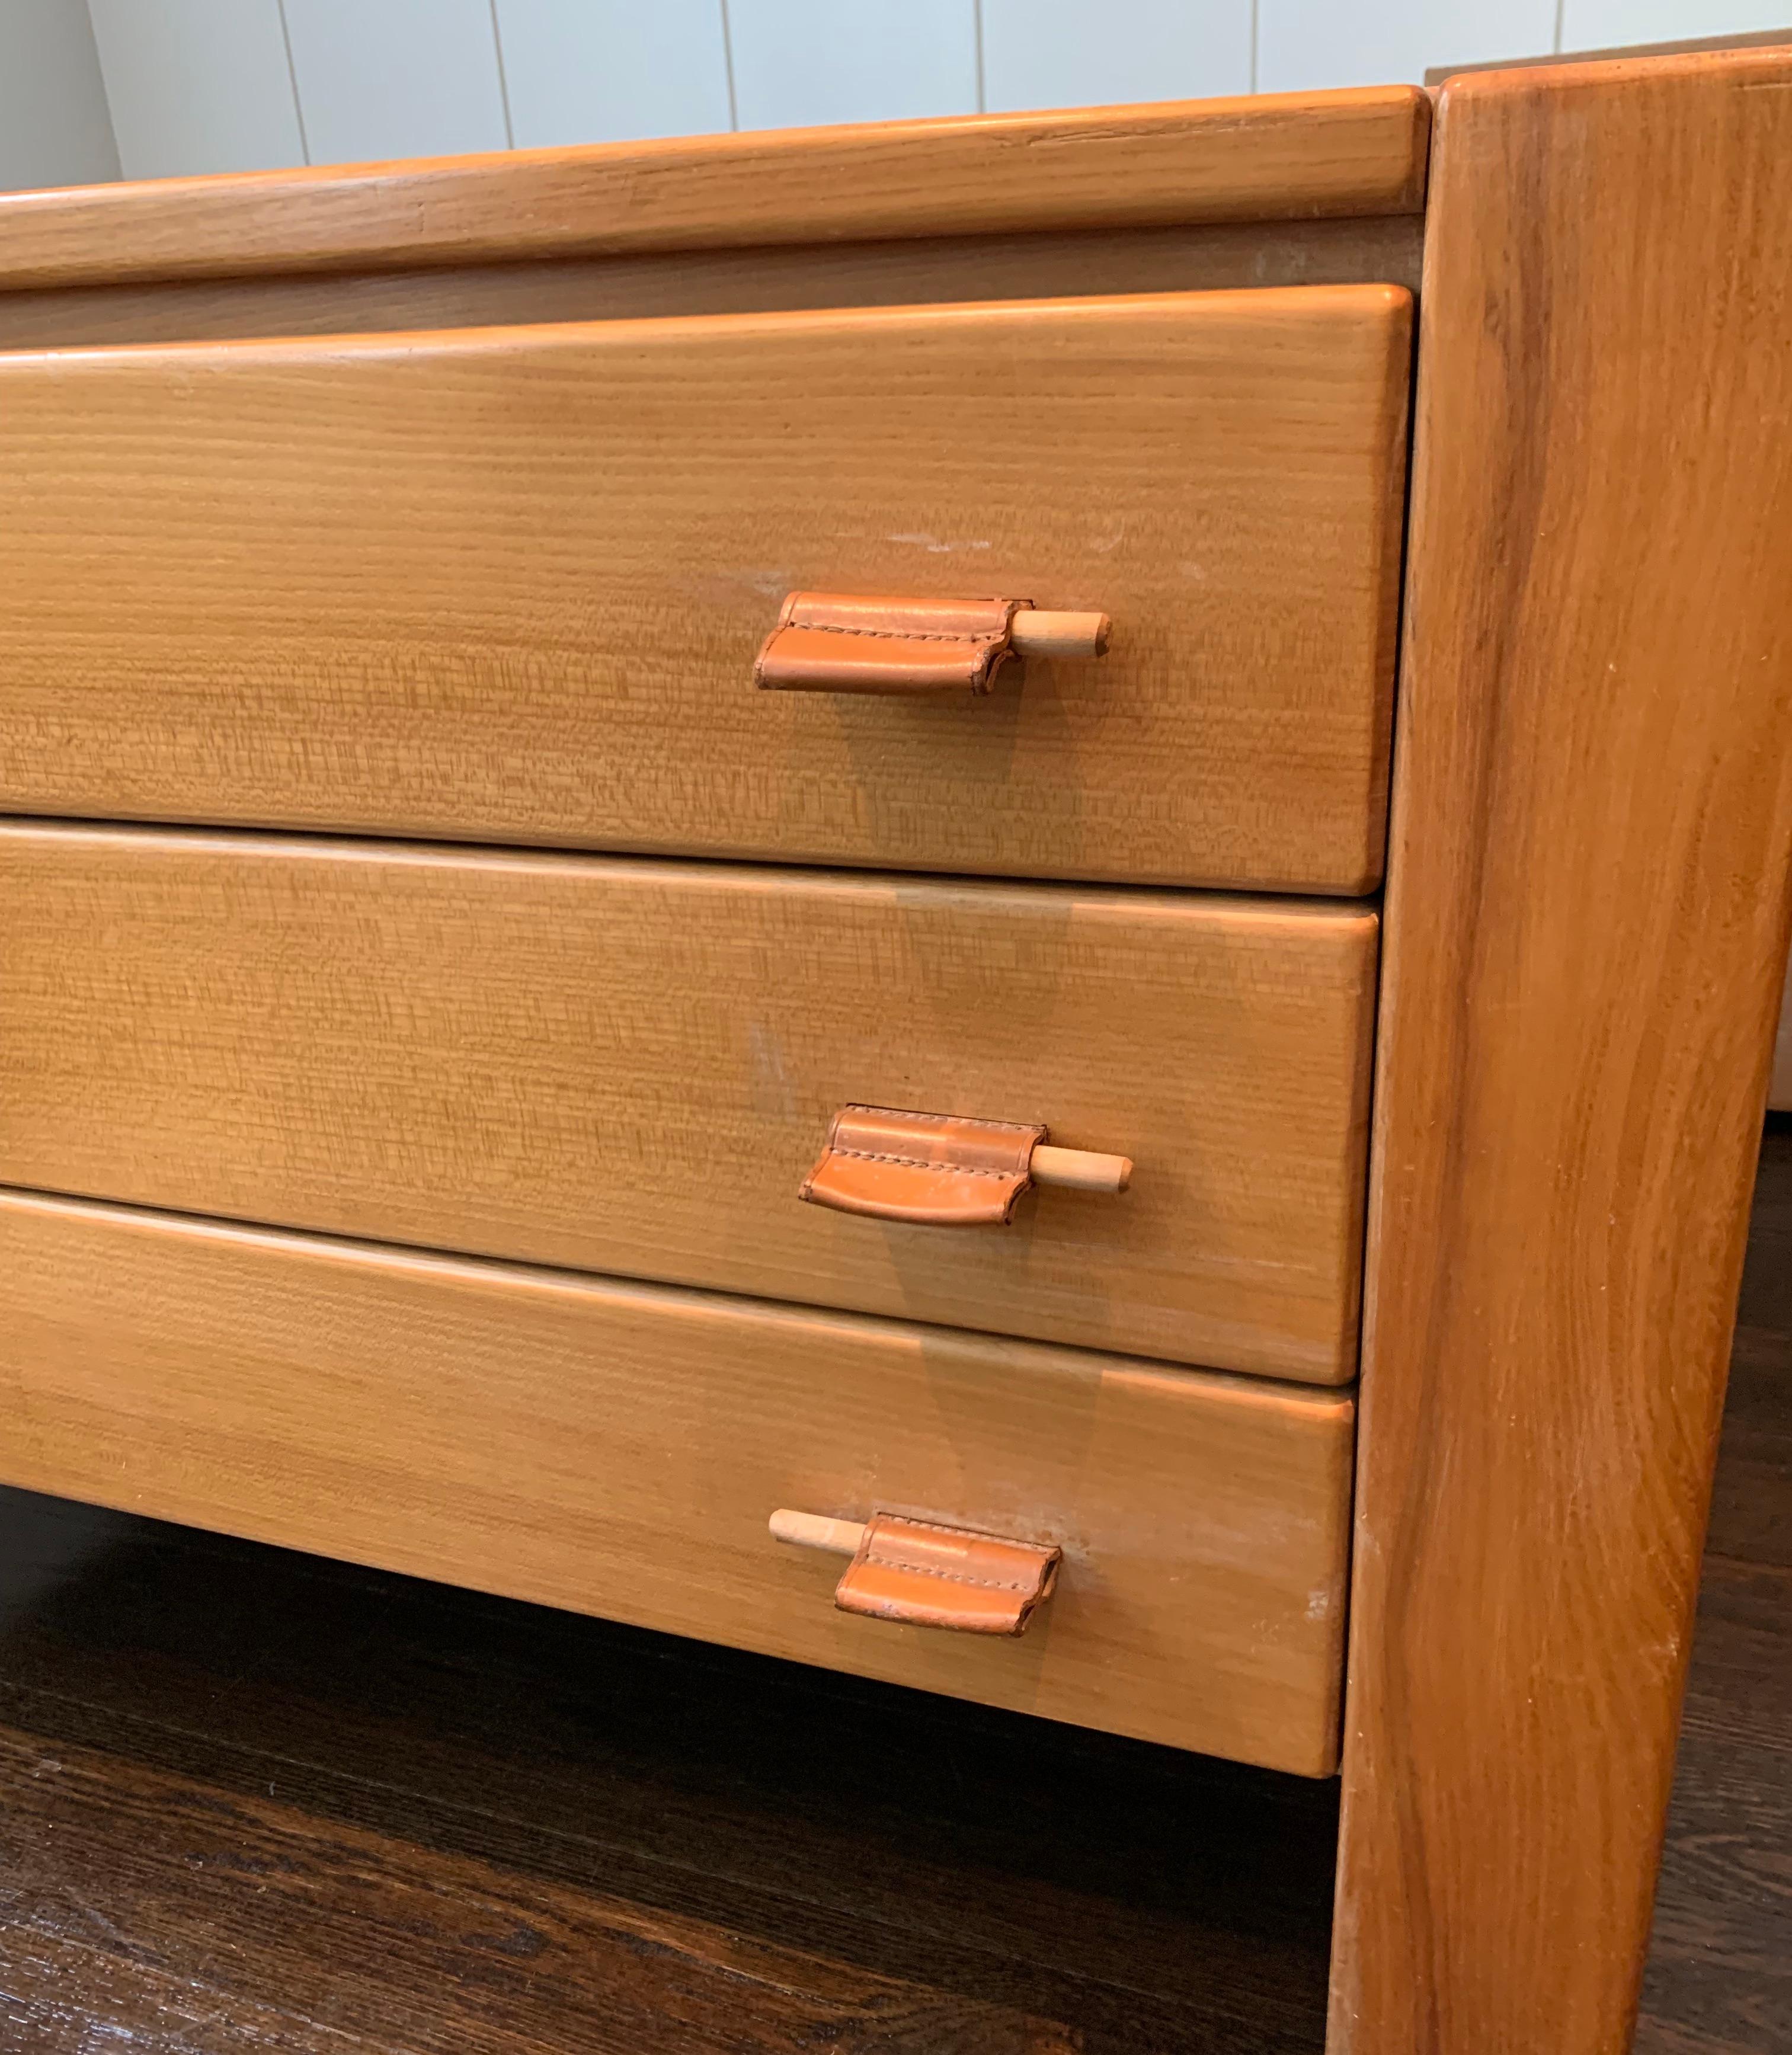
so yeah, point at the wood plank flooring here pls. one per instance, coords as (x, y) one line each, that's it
(251, 1801)
(1719, 1974)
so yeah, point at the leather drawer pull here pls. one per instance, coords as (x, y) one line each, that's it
(842, 642)
(920, 1575)
(936, 1171)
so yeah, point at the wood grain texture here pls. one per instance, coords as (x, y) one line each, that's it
(618, 1449)
(1148, 1900)
(1719, 1979)
(355, 1925)
(1586, 916)
(1291, 156)
(916, 271)
(1629, 52)
(631, 1067)
(509, 585)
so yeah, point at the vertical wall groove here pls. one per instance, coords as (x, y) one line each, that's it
(292, 76)
(727, 62)
(504, 83)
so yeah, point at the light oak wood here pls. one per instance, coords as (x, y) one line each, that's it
(510, 585)
(630, 1067)
(1035, 632)
(1759, 39)
(1287, 155)
(1080, 1169)
(816, 1530)
(1587, 914)
(911, 272)
(617, 1449)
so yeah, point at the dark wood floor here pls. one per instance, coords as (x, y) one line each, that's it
(253, 1800)
(1720, 1978)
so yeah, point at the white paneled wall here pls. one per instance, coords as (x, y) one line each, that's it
(1070, 54)
(203, 85)
(1606, 25)
(396, 78)
(198, 86)
(54, 130)
(1305, 44)
(618, 69)
(801, 61)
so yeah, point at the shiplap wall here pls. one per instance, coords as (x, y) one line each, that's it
(212, 85)
(54, 127)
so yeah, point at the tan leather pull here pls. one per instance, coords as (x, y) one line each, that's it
(928, 1168)
(938, 1170)
(843, 642)
(921, 1575)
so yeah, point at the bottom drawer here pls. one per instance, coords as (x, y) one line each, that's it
(617, 1448)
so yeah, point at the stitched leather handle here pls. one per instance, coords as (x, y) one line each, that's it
(918, 1573)
(934, 1169)
(841, 642)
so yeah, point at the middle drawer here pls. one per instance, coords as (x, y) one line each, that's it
(629, 1066)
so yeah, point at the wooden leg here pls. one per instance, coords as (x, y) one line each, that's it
(1587, 911)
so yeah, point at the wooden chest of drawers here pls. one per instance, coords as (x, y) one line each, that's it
(441, 938)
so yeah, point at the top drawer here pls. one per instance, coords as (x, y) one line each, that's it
(508, 585)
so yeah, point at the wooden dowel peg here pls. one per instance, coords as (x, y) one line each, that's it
(813, 1530)
(1036, 632)
(1080, 1169)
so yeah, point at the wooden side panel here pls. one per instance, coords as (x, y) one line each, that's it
(1587, 915)
(617, 1450)
(1295, 156)
(631, 1067)
(509, 584)
(916, 271)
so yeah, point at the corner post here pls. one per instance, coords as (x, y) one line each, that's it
(1586, 926)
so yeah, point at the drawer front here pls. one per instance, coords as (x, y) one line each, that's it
(508, 585)
(630, 1067)
(617, 1450)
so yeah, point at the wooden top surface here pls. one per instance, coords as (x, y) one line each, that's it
(1269, 157)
